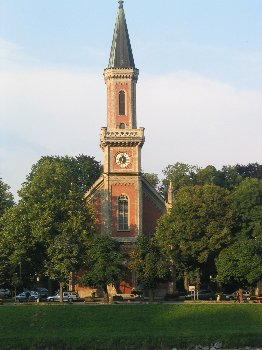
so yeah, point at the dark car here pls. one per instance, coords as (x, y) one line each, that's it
(231, 296)
(206, 295)
(43, 292)
(5, 293)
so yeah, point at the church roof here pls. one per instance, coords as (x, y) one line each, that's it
(121, 55)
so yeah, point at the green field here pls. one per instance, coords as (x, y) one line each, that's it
(142, 326)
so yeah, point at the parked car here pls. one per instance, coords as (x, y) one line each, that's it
(43, 292)
(233, 296)
(126, 297)
(5, 293)
(202, 294)
(67, 296)
(27, 296)
(246, 294)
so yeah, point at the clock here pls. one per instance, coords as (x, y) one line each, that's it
(123, 160)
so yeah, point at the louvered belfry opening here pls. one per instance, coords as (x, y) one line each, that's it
(122, 103)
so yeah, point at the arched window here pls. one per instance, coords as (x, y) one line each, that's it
(123, 213)
(122, 103)
(122, 126)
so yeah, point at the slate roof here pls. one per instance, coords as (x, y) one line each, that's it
(121, 55)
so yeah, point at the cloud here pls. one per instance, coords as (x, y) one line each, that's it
(10, 52)
(187, 117)
(195, 120)
(250, 58)
(47, 112)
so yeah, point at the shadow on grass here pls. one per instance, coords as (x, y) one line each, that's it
(145, 327)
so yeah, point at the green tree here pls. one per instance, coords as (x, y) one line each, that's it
(104, 263)
(20, 254)
(197, 228)
(247, 209)
(153, 179)
(251, 170)
(209, 175)
(241, 263)
(66, 255)
(148, 264)
(6, 197)
(53, 210)
(229, 177)
(179, 174)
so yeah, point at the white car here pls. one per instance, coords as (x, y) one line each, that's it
(67, 296)
(233, 296)
(27, 296)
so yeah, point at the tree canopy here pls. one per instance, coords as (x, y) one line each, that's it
(6, 197)
(197, 228)
(148, 263)
(181, 175)
(51, 217)
(153, 179)
(251, 170)
(247, 208)
(103, 263)
(240, 263)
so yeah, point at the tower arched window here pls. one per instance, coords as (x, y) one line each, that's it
(123, 213)
(122, 126)
(122, 103)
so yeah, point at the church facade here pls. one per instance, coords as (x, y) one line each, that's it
(125, 203)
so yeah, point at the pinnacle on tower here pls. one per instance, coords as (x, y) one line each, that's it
(170, 196)
(121, 55)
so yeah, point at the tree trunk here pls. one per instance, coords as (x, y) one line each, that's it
(186, 284)
(61, 285)
(151, 294)
(172, 284)
(106, 296)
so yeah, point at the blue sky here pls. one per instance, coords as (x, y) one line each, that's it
(199, 91)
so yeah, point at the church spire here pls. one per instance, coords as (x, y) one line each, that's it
(121, 55)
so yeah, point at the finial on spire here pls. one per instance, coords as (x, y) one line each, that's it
(120, 3)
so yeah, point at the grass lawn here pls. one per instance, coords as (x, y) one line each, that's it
(142, 326)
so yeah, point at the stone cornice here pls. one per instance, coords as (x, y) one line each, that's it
(123, 73)
(122, 137)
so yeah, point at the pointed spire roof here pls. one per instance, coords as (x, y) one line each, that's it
(121, 55)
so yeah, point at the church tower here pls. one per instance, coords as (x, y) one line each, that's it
(126, 205)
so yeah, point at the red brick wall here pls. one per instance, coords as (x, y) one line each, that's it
(151, 213)
(95, 206)
(131, 193)
(126, 88)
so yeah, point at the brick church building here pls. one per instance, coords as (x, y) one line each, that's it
(125, 203)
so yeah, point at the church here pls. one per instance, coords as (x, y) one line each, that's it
(125, 203)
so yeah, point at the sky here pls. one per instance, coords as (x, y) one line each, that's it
(199, 93)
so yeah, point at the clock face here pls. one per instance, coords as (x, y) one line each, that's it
(122, 159)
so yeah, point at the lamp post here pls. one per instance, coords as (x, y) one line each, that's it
(172, 288)
(20, 269)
